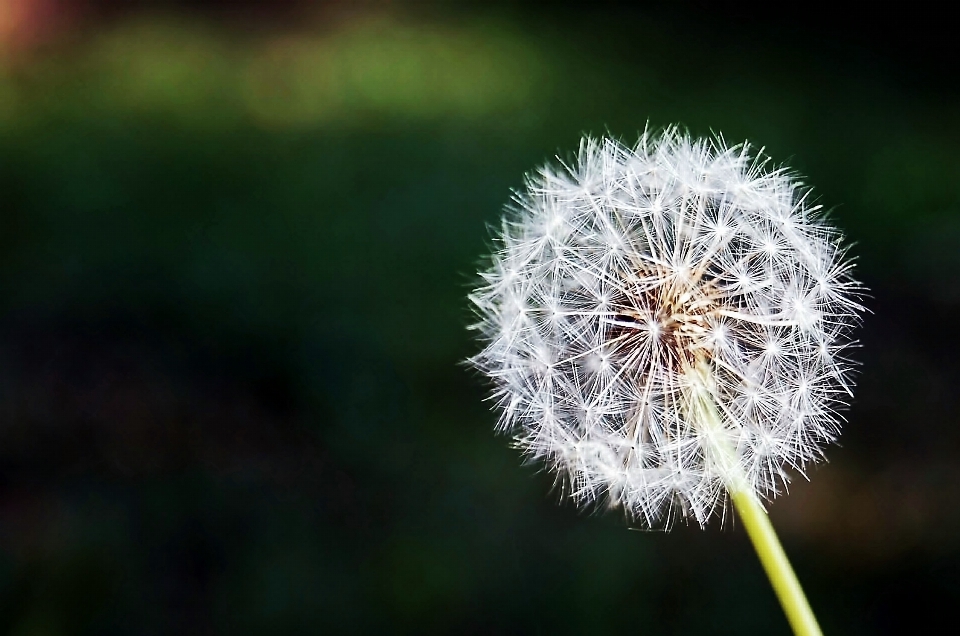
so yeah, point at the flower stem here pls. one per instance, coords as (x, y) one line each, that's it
(721, 450)
(774, 560)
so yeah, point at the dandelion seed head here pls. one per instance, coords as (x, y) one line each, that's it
(628, 281)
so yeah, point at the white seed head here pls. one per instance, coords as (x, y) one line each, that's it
(637, 278)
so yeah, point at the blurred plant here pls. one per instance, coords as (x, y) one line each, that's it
(666, 326)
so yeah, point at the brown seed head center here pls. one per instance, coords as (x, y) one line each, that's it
(676, 319)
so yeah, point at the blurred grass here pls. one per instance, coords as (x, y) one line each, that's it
(209, 232)
(200, 76)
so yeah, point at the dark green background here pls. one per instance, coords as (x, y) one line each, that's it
(234, 255)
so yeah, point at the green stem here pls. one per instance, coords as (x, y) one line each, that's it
(721, 450)
(774, 560)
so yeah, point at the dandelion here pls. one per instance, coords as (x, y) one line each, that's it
(666, 327)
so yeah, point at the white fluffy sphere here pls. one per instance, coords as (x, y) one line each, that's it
(625, 282)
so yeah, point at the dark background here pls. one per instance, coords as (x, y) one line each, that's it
(235, 245)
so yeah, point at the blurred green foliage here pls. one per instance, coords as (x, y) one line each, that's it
(234, 262)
